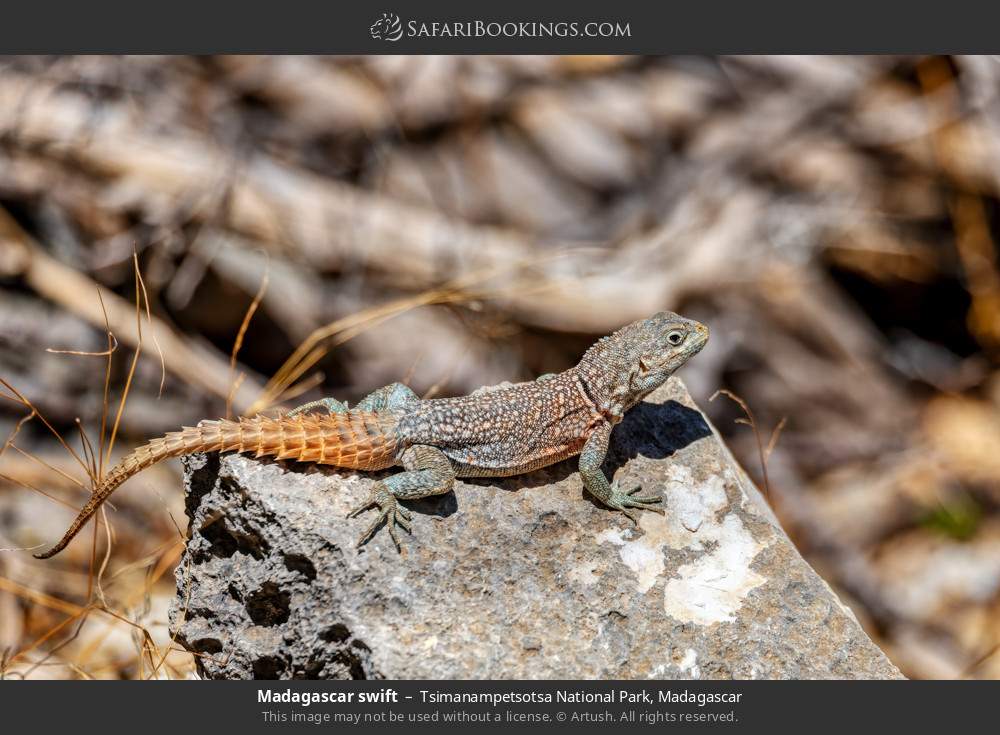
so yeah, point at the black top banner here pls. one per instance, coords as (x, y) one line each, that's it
(515, 26)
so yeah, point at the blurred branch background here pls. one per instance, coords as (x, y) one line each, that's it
(459, 221)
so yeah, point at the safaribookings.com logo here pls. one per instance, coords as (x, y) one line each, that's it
(390, 28)
(387, 28)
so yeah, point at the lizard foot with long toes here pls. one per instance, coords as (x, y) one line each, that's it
(391, 514)
(620, 500)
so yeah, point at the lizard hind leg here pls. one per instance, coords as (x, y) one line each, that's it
(331, 405)
(394, 395)
(428, 472)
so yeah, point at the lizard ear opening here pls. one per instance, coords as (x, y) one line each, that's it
(643, 367)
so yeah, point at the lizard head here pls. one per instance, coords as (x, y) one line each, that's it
(621, 369)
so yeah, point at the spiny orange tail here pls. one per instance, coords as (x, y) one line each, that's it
(356, 440)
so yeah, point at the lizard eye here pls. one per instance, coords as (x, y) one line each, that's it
(675, 338)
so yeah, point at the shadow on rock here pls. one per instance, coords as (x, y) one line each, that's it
(656, 431)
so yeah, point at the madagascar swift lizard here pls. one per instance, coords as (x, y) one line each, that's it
(490, 433)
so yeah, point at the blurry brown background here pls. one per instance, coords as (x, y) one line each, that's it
(459, 221)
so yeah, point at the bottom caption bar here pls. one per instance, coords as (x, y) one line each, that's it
(377, 706)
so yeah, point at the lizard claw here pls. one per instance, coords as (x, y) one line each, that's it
(391, 515)
(624, 500)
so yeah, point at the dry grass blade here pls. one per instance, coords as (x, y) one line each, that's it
(47, 465)
(296, 390)
(749, 420)
(33, 488)
(20, 398)
(21, 548)
(307, 354)
(40, 598)
(88, 450)
(184, 608)
(149, 320)
(55, 630)
(103, 353)
(112, 346)
(775, 435)
(131, 372)
(15, 431)
(238, 343)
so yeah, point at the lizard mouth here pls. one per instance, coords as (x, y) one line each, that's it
(698, 340)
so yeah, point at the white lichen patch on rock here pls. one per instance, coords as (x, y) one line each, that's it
(711, 588)
(643, 555)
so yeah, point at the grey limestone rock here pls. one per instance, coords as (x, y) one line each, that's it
(526, 577)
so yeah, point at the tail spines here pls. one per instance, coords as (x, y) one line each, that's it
(354, 440)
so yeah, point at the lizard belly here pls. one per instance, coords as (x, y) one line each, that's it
(493, 461)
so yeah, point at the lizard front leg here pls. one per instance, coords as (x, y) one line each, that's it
(591, 458)
(428, 472)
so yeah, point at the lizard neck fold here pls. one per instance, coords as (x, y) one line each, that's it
(591, 397)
